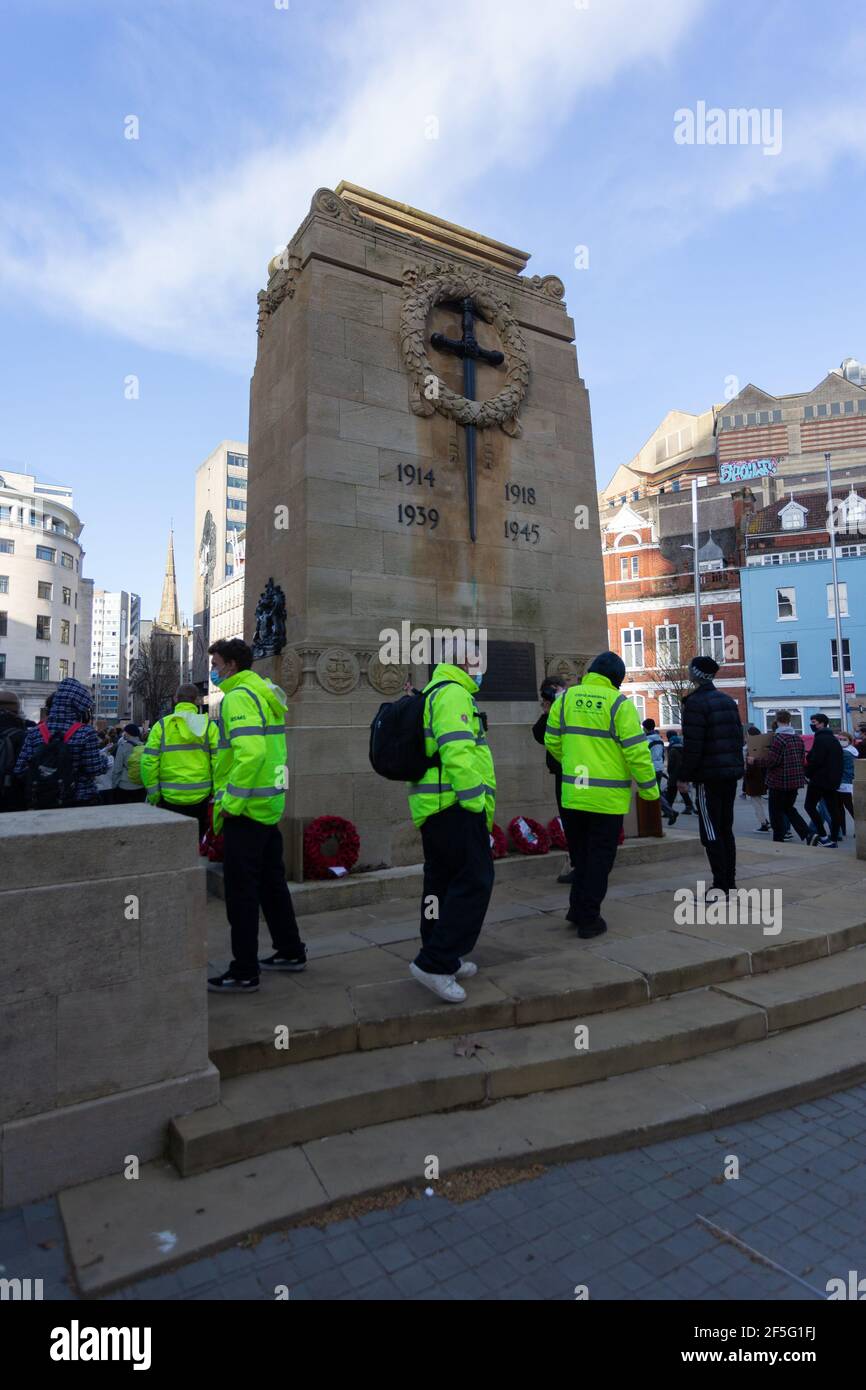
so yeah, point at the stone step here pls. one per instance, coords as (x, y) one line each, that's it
(292, 1105)
(805, 993)
(356, 890)
(533, 970)
(113, 1240)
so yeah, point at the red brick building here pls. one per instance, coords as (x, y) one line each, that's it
(649, 588)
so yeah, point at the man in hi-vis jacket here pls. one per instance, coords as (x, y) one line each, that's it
(453, 807)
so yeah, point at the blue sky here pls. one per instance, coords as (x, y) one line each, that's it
(122, 257)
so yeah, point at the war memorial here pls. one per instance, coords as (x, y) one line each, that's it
(421, 465)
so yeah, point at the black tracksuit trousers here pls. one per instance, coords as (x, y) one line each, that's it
(715, 802)
(458, 881)
(592, 840)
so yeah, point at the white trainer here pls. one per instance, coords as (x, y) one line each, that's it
(468, 968)
(444, 985)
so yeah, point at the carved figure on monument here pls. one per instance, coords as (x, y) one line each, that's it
(387, 679)
(338, 671)
(270, 634)
(292, 671)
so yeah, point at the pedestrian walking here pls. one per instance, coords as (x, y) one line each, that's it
(177, 763)
(675, 758)
(785, 768)
(656, 746)
(755, 783)
(550, 690)
(453, 806)
(594, 733)
(249, 801)
(846, 786)
(824, 767)
(713, 760)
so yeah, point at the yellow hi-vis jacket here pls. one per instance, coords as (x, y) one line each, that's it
(596, 734)
(176, 762)
(250, 774)
(453, 729)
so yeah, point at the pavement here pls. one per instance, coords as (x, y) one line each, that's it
(652, 1223)
(627, 1226)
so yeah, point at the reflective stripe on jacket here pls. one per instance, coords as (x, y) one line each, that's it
(595, 733)
(453, 729)
(250, 772)
(176, 765)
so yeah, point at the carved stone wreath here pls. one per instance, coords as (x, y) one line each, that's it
(422, 291)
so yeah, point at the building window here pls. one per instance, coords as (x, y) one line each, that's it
(793, 517)
(41, 672)
(843, 601)
(675, 485)
(44, 589)
(809, 412)
(44, 552)
(5, 513)
(639, 702)
(786, 604)
(4, 583)
(822, 410)
(835, 408)
(3, 623)
(7, 547)
(669, 709)
(849, 407)
(713, 639)
(64, 631)
(237, 504)
(668, 645)
(43, 628)
(790, 659)
(634, 567)
(64, 668)
(632, 648)
(846, 655)
(623, 568)
(67, 596)
(2, 666)
(66, 560)
(635, 497)
(796, 720)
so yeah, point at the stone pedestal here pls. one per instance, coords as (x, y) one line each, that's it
(103, 1007)
(357, 499)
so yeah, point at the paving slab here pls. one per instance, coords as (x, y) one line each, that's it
(563, 984)
(276, 1108)
(242, 1031)
(404, 1012)
(805, 993)
(670, 962)
(115, 1228)
(793, 945)
(520, 1061)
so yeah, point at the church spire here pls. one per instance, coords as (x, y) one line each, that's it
(169, 615)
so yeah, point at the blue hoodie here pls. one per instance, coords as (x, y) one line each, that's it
(72, 703)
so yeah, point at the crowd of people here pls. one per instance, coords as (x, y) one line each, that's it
(228, 774)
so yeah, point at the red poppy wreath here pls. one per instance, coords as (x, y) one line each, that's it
(528, 836)
(318, 864)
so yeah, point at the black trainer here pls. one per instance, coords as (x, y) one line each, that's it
(567, 876)
(278, 962)
(229, 984)
(590, 929)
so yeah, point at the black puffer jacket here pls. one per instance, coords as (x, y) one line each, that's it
(824, 761)
(712, 737)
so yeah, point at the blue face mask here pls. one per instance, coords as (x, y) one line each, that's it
(215, 675)
(478, 678)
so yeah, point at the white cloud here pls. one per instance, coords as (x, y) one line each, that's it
(177, 268)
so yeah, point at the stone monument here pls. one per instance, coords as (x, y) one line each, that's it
(420, 461)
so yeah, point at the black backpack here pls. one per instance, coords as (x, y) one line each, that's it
(49, 778)
(11, 740)
(397, 738)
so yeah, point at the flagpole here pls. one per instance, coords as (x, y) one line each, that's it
(840, 659)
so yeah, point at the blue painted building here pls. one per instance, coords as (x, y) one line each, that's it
(789, 626)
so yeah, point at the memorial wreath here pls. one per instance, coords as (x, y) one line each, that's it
(557, 834)
(317, 834)
(528, 836)
(498, 843)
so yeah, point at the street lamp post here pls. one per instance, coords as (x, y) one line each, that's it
(840, 658)
(697, 567)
